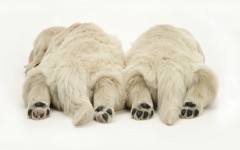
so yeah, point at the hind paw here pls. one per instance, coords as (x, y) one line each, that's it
(103, 114)
(38, 111)
(143, 111)
(189, 110)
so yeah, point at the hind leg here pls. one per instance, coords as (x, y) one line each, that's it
(200, 94)
(36, 96)
(109, 94)
(139, 98)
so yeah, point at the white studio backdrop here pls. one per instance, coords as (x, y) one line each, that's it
(214, 23)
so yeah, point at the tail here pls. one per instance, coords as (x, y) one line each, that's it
(171, 91)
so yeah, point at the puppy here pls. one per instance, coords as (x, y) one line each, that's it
(77, 70)
(165, 68)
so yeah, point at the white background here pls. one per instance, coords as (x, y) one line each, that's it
(214, 23)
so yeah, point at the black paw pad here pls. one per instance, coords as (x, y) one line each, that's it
(190, 104)
(109, 111)
(145, 115)
(40, 104)
(142, 111)
(48, 112)
(189, 113)
(196, 112)
(183, 112)
(151, 114)
(105, 117)
(145, 105)
(139, 113)
(134, 111)
(100, 108)
(30, 112)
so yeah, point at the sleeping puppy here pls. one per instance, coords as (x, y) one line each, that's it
(165, 68)
(77, 70)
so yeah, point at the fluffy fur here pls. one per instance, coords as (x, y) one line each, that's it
(165, 67)
(77, 70)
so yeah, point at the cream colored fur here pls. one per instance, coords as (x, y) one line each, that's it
(165, 67)
(76, 69)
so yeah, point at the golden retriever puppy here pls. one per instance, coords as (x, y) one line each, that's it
(77, 70)
(165, 68)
